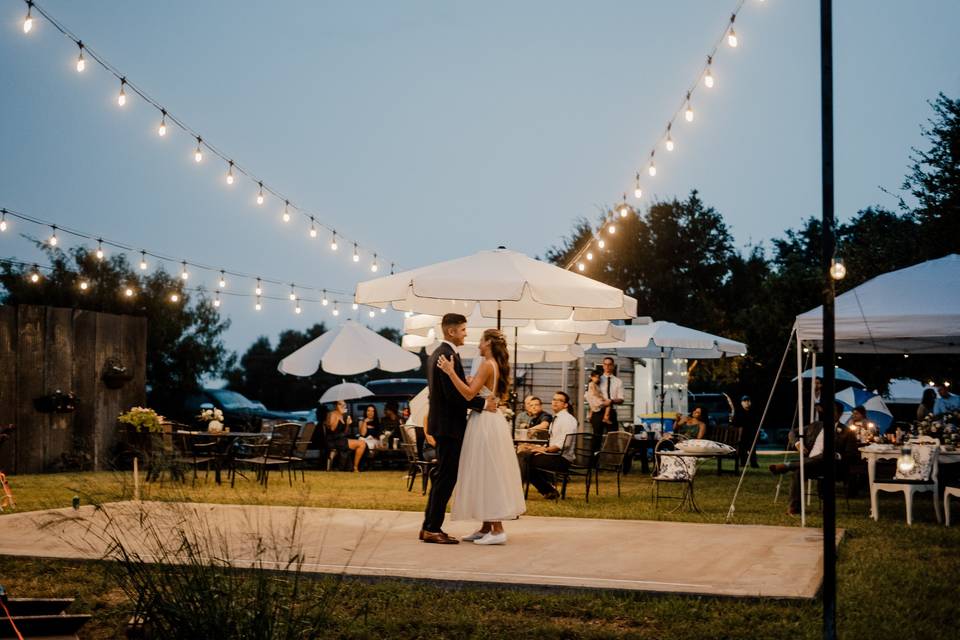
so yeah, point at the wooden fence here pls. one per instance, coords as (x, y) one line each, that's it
(46, 349)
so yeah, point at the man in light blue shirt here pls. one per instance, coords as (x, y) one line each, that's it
(946, 401)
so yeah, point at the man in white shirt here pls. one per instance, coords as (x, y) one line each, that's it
(946, 401)
(611, 387)
(537, 461)
(812, 451)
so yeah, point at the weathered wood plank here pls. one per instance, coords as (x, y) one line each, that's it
(85, 382)
(8, 386)
(58, 376)
(107, 404)
(31, 424)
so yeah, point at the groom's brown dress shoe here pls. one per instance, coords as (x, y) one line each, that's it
(437, 538)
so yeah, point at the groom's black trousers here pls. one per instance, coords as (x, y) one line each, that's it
(444, 476)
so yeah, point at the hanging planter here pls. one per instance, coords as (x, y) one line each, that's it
(115, 375)
(56, 402)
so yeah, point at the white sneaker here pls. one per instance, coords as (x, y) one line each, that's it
(492, 538)
(476, 535)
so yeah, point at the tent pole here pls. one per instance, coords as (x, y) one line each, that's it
(813, 391)
(515, 346)
(803, 489)
(581, 383)
(662, 394)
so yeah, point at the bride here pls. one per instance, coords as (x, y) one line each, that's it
(488, 482)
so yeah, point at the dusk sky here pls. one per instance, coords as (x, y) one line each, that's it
(431, 130)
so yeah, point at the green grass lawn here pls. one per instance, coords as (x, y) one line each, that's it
(894, 581)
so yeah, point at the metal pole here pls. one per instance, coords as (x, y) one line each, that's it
(827, 390)
(662, 393)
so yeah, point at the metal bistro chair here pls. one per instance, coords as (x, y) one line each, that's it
(415, 463)
(193, 452)
(298, 455)
(581, 443)
(277, 452)
(612, 455)
(673, 470)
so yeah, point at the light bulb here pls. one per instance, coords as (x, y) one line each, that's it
(581, 266)
(230, 173)
(258, 306)
(174, 297)
(313, 229)
(408, 314)
(143, 260)
(258, 290)
(286, 211)
(637, 191)
(81, 63)
(223, 280)
(708, 79)
(53, 238)
(669, 143)
(732, 38)
(333, 242)
(28, 21)
(612, 228)
(260, 194)
(589, 255)
(162, 129)
(355, 306)
(35, 277)
(3, 222)
(688, 114)
(297, 309)
(383, 310)
(371, 313)
(198, 154)
(374, 267)
(184, 275)
(99, 252)
(293, 293)
(129, 293)
(652, 169)
(601, 243)
(122, 96)
(84, 285)
(356, 256)
(216, 300)
(336, 311)
(324, 302)
(837, 270)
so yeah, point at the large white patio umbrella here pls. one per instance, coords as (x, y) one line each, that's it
(349, 349)
(502, 284)
(521, 354)
(524, 332)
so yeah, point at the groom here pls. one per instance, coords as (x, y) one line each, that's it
(448, 422)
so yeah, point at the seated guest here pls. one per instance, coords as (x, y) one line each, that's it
(692, 426)
(337, 432)
(946, 401)
(391, 417)
(927, 401)
(859, 426)
(539, 420)
(369, 425)
(812, 451)
(536, 460)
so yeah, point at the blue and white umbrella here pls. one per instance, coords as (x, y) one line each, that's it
(840, 375)
(877, 411)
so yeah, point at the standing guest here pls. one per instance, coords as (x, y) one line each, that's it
(597, 403)
(537, 461)
(693, 425)
(337, 435)
(612, 389)
(745, 419)
(946, 401)
(927, 402)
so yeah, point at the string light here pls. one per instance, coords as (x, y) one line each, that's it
(99, 252)
(669, 142)
(174, 297)
(333, 242)
(336, 310)
(601, 243)
(3, 221)
(53, 236)
(143, 260)
(81, 63)
(28, 21)
(383, 310)
(293, 293)
(652, 169)
(355, 306)
(611, 228)
(230, 173)
(374, 267)
(198, 154)
(356, 256)
(624, 208)
(184, 274)
(708, 77)
(223, 280)
(84, 285)
(589, 255)
(837, 269)
(297, 309)
(258, 306)
(260, 194)
(216, 299)
(286, 211)
(581, 266)
(162, 129)
(313, 229)
(732, 35)
(35, 274)
(371, 313)
(129, 293)
(688, 114)
(324, 302)
(259, 289)
(122, 96)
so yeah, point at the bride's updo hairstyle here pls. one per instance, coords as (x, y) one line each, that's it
(501, 355)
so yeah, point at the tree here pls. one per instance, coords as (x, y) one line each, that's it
(183, 338)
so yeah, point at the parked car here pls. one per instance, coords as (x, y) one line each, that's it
(399, 390)
(238, 410)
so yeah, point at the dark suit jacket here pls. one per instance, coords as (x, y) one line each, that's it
(448, 408)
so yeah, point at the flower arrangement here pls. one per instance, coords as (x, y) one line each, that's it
(507, 412)
(208, 415)
(142, 419)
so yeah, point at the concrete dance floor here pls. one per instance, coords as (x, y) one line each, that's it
(674, 557)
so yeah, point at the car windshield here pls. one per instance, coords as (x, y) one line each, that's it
(232, 399)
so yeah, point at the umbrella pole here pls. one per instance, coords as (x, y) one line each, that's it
(662, 394)
(514, 369)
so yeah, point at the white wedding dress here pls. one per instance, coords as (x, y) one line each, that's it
(489, 487)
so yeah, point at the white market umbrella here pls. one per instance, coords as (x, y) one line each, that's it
(419, 405)
(349, 349)
(345, 391)
(520, 354)
(524, 332)
(500, 284)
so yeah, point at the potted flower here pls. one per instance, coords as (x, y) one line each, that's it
(213, 418)
(142, 419)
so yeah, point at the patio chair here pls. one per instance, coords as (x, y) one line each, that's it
(298, 455)
(277, 452)
(194, 452)
(921, 477)
(581, 443)
(156, 448)
(672, 470)
(612, 455)
(947, 492)
(728, 435)
(416, 465)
